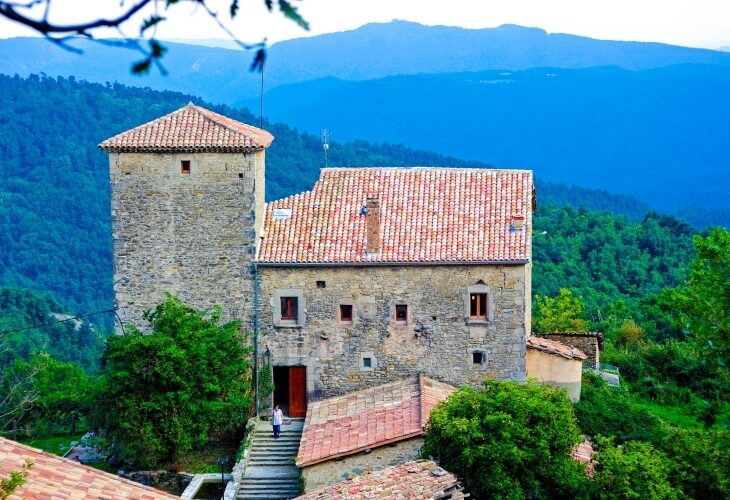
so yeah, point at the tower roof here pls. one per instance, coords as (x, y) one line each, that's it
(190, 129)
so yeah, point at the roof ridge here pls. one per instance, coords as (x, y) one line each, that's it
(202, 112)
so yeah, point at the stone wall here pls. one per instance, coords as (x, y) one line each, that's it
(437, 339)
(588, 342)
(555, 370)
(172, 482)
(330, 472)
(193, 235)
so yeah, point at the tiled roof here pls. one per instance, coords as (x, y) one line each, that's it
(555, 347)
(597, 335)
(53, 477)
(422, 479)
(368, 418)
(427, 215)
(583, 453)
(189, 129)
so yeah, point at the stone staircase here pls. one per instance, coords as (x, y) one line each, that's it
(271, 473)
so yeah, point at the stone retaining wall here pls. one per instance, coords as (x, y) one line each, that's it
(333, 471)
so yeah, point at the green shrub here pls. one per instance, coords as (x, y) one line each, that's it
(700, 461)
(508, 440)
(610, 411)
(633, 470)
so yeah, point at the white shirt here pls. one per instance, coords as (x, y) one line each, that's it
(276, 419)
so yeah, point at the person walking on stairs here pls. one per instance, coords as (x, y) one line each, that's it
(276, 419)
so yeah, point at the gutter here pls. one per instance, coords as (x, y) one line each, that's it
(397, 264)
(255, 273)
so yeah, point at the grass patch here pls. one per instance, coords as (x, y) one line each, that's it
(58, 445)
(672, 415)
(204, 460)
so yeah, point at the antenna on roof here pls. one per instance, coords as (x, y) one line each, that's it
(325, 137)
(261, 98)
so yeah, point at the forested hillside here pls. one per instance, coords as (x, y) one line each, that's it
(54, 192)
(602, 128)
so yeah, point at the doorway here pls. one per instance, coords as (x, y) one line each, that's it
(290, 390)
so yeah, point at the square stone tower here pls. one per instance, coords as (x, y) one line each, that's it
(187, 195)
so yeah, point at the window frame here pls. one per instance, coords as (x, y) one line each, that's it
(481, 306)
(398, 308)
(343, 318)
(290, 305)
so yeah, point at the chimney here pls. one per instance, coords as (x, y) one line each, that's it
(373, 224)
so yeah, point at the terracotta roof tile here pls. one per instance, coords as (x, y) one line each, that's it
(54, 477)
(422, 479)
(368, 418)
(190, 129)
(555, 347)
(427, 215)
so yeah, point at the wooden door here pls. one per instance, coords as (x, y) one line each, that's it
(297, 391)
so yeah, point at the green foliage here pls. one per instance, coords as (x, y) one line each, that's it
(614, 265)
(700, 461)
(703, 305)
(80, 342)
(266, 385)
(508, 440)
(564, 313)
(673, 373)
(60, 395)
(11, 483)
(611, 411)
(175, 389)
(633, 470)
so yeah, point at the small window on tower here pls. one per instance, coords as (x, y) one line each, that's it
(478, 306)
(401, 313)
(367, 362)
(185, 167)
(346, 313)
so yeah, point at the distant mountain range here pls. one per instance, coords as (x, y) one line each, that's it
(372, 51)
(646, 119)
(660, 134)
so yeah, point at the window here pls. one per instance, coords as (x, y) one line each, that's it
(401, 313)
(289, 308)
(346, 313)
(477, 357)
(367, 362)
(321, 284)
(478, 306)
(185, 167)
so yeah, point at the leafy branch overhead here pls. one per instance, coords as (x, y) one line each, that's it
(35, 14)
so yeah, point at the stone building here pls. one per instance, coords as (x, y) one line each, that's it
(373, 276)
(377, 274)
(187, 195)
(557, 364)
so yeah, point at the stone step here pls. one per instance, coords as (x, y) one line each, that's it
(268, 496)
(271, 454)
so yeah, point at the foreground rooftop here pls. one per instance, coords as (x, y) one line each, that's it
(369, 418)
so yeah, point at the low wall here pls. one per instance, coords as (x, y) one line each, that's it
(172, 482)
(240, 467)
(333, 471)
